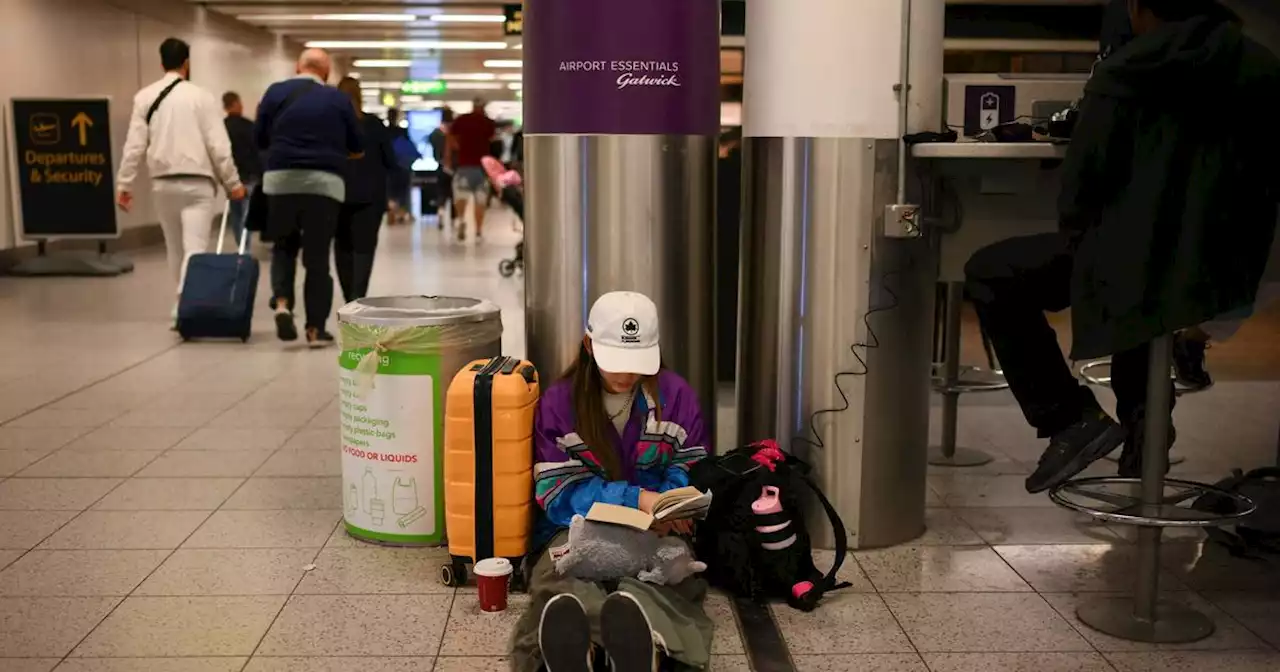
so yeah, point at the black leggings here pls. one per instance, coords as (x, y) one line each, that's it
(354, 246)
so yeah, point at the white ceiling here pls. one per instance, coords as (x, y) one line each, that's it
(464, 69)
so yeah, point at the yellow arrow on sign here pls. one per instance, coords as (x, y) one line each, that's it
(84, 123)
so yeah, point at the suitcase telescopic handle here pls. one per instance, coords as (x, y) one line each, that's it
(222, 231)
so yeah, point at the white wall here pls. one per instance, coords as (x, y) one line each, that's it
(111, 48)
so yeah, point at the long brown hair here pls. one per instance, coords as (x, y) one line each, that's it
(351, 87)
(591, 422)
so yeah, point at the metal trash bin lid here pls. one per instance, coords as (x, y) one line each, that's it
(426, 311)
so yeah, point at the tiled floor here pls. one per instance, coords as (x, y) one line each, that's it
(168, 507)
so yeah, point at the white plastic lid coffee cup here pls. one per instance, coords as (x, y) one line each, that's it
(493, 567)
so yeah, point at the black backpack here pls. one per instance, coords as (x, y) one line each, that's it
(764, 552)
(1257, 535)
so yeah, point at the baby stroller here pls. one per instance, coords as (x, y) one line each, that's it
(508, 184)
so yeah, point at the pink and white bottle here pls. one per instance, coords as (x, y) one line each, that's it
(769, 504)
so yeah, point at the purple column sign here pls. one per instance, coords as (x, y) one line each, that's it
(621, 67)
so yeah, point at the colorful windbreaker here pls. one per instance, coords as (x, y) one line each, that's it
(655, 455)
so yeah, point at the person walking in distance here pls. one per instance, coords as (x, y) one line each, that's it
(400, 180)
(439, 141)
(178, 128)
(470, 139)
(248, 160)
(309, 132)
(366, 181)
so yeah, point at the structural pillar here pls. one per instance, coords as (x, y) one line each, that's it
(621, 120)
(836, 302)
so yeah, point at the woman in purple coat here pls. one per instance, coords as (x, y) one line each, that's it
(617, 429)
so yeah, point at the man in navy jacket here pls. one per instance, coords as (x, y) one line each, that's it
(309, 132)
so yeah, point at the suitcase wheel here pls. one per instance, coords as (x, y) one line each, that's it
(454, 574)
(518, 583)
(506, 268)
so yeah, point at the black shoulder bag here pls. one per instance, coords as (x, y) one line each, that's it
(160, 98)
(256, 218)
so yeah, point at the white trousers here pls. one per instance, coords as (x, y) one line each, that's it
(186, 209)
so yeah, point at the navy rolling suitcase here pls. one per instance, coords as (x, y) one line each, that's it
(218, 293)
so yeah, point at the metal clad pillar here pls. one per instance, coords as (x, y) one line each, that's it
(822, 122)
(621, 120)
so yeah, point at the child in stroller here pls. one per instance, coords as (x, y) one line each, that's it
(508, 184)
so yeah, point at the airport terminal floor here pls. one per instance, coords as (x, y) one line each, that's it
(176, 507)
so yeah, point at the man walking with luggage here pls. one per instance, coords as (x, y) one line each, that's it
(177, 127)
(309, 132)
(248, 160)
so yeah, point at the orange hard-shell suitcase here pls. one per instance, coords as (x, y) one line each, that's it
(488, 464)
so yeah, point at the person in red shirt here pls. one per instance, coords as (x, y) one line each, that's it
(470, 136)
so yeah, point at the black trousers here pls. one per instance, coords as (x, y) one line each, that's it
(303, 223)
(1012, 284)
(355, 244)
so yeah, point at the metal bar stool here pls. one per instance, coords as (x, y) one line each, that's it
(955, 380)
(1160, 503)
(1089, 373)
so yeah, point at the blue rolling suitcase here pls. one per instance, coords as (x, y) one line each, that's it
(218, 293)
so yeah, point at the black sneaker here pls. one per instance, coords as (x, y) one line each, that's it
(286, 330)
(1188, 364)
(1074, 449)
(318, 338)
(628, 635)
(564, 635)
(1131, 457)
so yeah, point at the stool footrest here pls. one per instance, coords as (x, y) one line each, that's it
(970, 379)
(1119, 500)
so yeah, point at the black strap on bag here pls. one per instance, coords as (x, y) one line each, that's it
(160, 98)
(828, 582)
(256, 218)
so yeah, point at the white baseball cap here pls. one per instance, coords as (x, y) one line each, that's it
(623, 327)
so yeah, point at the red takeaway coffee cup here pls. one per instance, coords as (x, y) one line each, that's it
(493, 577)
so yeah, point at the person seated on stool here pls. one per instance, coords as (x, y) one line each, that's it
(1167, 213)
(620, 429)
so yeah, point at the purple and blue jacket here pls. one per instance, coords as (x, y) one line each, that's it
(655, 455)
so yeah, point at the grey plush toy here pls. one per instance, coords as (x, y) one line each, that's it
(601, 552)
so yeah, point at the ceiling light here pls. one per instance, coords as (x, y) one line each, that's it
(381, 63)
(411, 99)
(468, 76)
(503, 64)
(475, 86)
(363, 18)
(379, 85)
(411, 45)
(468, 18)
(511, 77)
(515, 86)
(354, 75)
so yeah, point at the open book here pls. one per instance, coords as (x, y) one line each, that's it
(678, 504)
